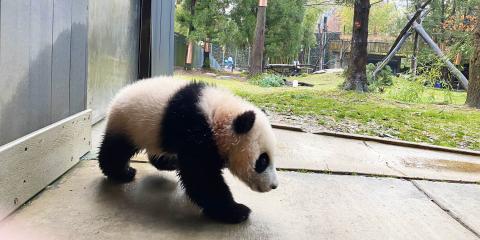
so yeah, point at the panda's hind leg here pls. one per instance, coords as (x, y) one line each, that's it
(114, 157)
(166, 161)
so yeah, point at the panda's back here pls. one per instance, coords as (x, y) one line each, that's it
(138, 110)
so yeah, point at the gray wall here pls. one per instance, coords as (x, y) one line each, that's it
(113, 50)
(43, 63)
(163, 12)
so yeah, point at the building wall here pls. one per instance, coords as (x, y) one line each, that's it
(43, 63)
(113, 50)
(59, 57)
(163, 12)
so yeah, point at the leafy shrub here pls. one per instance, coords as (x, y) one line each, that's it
(429, 86)
(406, 91)
(267, 80)
(384, 78)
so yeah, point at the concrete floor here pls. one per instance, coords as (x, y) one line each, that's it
(388, 203)
(83, 205)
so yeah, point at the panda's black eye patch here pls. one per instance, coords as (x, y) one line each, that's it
(262, 163)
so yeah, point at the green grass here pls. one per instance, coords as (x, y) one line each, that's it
(427, 120)
(403, 90)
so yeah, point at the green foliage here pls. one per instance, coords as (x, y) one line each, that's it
(382, 80)
(288, 27)
(182, 19)
(244, 15)
(309, 25)
(421, 89)
(449, 22)
(406, 91)
(209, 21)
(267, 80)
(284, 29)
(384, 19)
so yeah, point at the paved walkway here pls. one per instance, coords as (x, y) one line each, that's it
(330, 188)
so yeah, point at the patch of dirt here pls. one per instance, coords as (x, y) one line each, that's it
(210, 73)
(322, 123)
(307, 123)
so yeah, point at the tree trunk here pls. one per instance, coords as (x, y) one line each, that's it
(357, 69)
(191, 28)
(206, 55)
(473, 94)
(256, 63)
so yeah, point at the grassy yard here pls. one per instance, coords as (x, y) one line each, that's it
(427, 119)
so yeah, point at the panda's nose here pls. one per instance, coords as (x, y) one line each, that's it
(274, 186)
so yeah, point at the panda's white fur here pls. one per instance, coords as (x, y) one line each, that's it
(138, 109)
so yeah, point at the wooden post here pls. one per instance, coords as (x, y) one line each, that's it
(188, 60)
(191, 28)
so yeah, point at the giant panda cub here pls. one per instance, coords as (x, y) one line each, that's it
(197, 130)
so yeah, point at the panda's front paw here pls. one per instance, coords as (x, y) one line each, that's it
(125, 176)
(235, 213)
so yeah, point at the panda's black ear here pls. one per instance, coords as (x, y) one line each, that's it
(244, 122)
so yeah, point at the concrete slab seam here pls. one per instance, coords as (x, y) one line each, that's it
(301, 170)
(445, 209)
(343, 173)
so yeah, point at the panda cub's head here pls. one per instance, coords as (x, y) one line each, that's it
(247, 141)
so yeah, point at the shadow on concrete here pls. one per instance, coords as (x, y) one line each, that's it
(152, 200)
